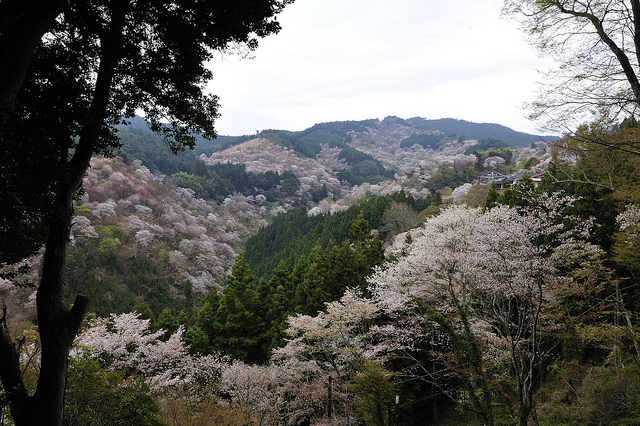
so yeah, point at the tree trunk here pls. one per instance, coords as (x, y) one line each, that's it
(58, 325)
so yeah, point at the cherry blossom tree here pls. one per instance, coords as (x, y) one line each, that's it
(125, 343)
(475, 288)
(336, 339)
(285, 393)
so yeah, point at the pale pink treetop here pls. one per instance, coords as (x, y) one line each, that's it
(124, 342)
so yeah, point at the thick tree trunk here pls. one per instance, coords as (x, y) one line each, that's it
(58, 325)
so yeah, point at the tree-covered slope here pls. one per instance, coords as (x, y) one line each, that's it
(295, 233)
(469, 130)
(309, 142)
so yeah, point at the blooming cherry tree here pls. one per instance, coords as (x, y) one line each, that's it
(481, 284)
(336, 339)
(124, 342)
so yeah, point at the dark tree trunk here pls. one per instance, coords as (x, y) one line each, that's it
(57, 324)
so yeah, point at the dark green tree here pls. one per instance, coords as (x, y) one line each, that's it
(167, 322)
(345, 272)
(145, 312)
(313, 290)
(61, 97)
(237, 325)
(205, 321)
(279, 305)
(367, 246)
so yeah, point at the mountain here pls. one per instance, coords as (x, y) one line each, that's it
(165, 228)
(470, 130)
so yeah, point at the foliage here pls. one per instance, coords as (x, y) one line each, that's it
(478, 131)
(96, 397)
(363, 168)
(376, 393)
(626, 248)
(607, 394)
(465, 301)
(191, 388)
(125, 343)
(294, 233)
(468, 274)
(288, 140)
(486, 144)
(426, 140)
(451, 176)
(309, 142)
(336, 339)
(594, 46)
(237, 327)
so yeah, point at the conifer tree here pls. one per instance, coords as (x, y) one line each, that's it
(279, 307)
(207, 314)
(344, 270)
(312, 291)
(237, 326)
(145, 312)
(167, 322)
(367, 247)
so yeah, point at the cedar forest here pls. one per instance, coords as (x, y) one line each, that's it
(354, 273)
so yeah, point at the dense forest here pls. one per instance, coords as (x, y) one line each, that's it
(375, 272)
(413, 311)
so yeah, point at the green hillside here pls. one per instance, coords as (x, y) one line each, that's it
(469, 130)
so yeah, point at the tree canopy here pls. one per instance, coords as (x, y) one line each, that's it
(597, 48)
(70, 72)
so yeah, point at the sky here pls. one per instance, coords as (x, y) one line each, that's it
(337, 60)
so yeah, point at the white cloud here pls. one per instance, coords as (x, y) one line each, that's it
(360, 59)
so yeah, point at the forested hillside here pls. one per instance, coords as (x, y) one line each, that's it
(375, 272)
(458, 128)
(253, 259)
(296, 232)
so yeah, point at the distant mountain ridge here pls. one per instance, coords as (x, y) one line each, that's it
(479, 131)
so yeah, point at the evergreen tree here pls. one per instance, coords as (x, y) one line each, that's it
(237, 326)
(197, 340)
(368, 246)
(167, 322)
(345, 272)
(359, 229)
(145, 312)
(200, 335)
(279, 307)
(183, 319)
(312, 291)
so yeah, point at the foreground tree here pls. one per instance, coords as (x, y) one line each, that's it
(597, 47)
(475, 291)
(237, 326)
(99, 61)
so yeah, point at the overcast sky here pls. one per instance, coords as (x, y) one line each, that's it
(340, 60)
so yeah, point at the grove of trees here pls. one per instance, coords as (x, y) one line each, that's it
(70, 72)
(522, 311)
